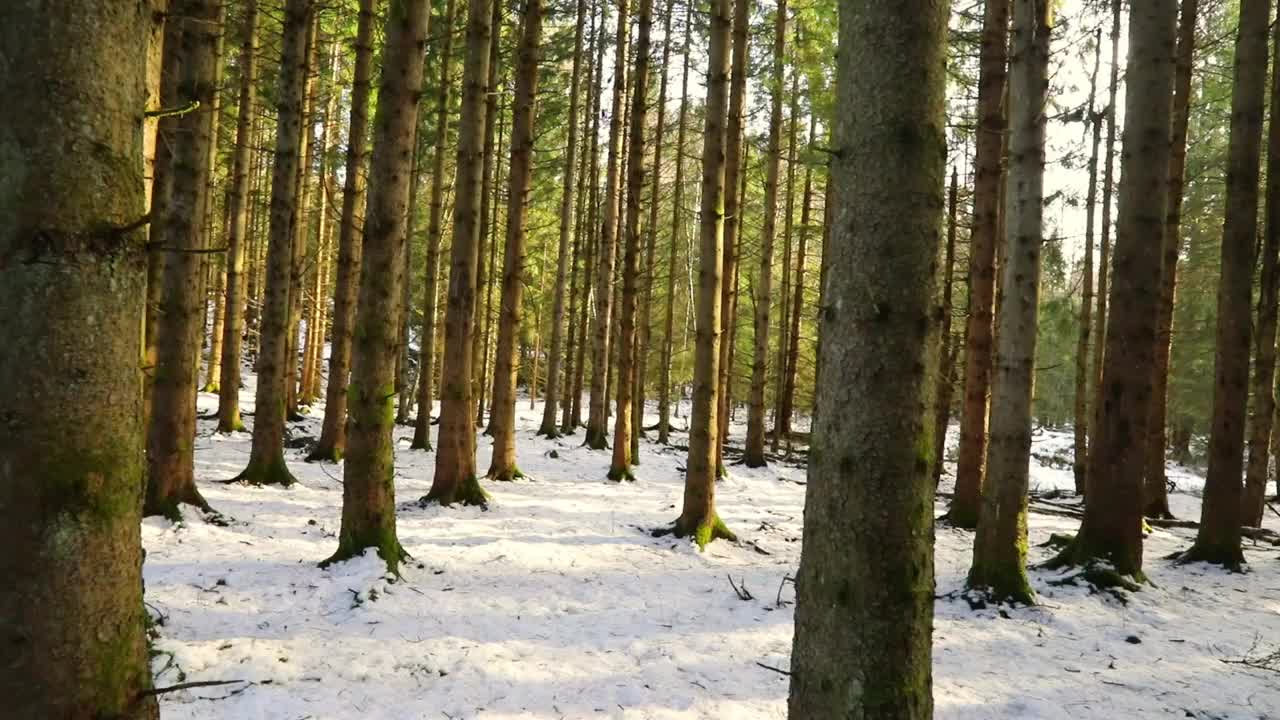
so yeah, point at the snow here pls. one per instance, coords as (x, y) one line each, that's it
(557, 603)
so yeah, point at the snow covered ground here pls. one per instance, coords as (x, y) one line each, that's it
(557, 603)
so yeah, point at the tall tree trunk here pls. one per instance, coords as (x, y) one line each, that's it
(624, 424)
(368, 489)
(211, 276)
(404, 382)
(426, 357)
(677, 223)
(72, 280)
(591, 241)
(1080, 402)
(788, 226)
(698, 517)
(1261, 429)
(999, 567)
(1218, 540)
(505, 362)
(217, 294)
(753, 455)
(787, 405)
(266, 456)
(172, 424)
(946, 365)
(864, 600)
(301, 233)
(488, 228)
(308, 392)
(734, 165)
(493, 199)
(1112, 526)
(333, 432)
(579, 272)
(987, 164)
(455, 476)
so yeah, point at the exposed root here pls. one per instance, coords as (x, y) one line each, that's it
(467, 492)
(702, 531)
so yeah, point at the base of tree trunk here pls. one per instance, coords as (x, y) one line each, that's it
(383, 539)
(230, 425)
(168, 506)
(702, 530)
(1007, 584)
(211, 387)
(549, 431)
(1095, 568)
(1229, 555)
(960, 518)
(618, 475)
(423, 445)
(596, 439)
(506, 474)
(274, 472)
(325, 452)
(467, 492)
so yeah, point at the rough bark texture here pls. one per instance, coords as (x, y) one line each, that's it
(333, 432)
(1219, 538)
(753, 455)
(1000, 545)
(970, 464)
(1261, 429)
(368, 489)
(301, 234)
(1156, 499)
(72, 280)
(1112, 526)
(520, 171)
(266, 456)
(171, 427)
(864, 590)
(427, 341)
(698, 518)
(488, 221)
(455, 477)
(1080, 403)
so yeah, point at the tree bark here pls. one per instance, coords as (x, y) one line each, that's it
(455, 476)
(864, 590)
(788, 226)
(333, 433)
(970, 465)
(488, 222)
(301, 234)
(1080, 402)
(946, 356)
(72, 281)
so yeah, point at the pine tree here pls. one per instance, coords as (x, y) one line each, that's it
(1080, 403)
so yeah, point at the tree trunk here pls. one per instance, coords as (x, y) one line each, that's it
(426, 357)
(753, 456)
(491, 198)
(590, 240)
(301, 234)
(788, 226)
(787, 405)
(488, 228)
(266, 457)
(404, 382)
(179, 233)
(1080, 402)
(579, 271)
(505, 361)
(72, 281)
(309, 392)
(455, 476)
(946, 364)
(677, 223)
(1254, 502)
(1112, 526)
(217, 293)
(1218, 540)
(864, 590)
(368, 490)
(333, 433)
(999, 567)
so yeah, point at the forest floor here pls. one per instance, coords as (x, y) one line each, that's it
(556, 602)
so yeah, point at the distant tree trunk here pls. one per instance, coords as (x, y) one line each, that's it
(628, 367)
(1261, 429)
(309, 390)
(1080, 402)
(301, 234)
(677, 223)
(580, 271)
(987, 164)
(72, 281)
(597, 431)
(999, 567)
(946, 364)
(1112, 526)
(506, 361)
(788, 226)
(493, 199)
(426, 356)
(864, 590)
(172, 423)
(1218, 540)
(333, 432)
(404, 382)
(734, 165)
(266, 457)
(753, 455)
(488, 223)
(455, 476)
(590, 241)
(368, 489)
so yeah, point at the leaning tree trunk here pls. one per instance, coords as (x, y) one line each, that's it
(753, 455)
(179, 234)
(864, 590)
(1255, 490)
(698, 518)
(987, 164)
(1080, 402)
(368, 489)
(427, 350)
(505, 362)
(1218, 540)
(266, 455)
(72, 281)
(1112, 526)
(677, 222)
(620, 467)
(999, 567)
(455, 476)
(333, 431)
